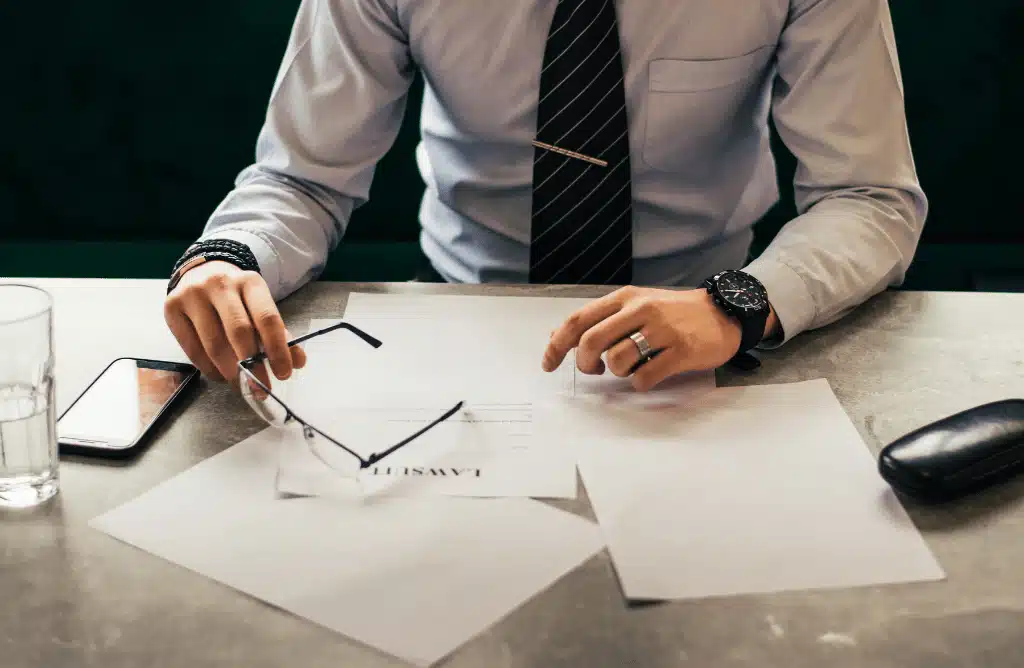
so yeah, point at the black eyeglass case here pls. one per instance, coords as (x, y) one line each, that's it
(957, 455)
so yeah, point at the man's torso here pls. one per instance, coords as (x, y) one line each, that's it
(698, 77)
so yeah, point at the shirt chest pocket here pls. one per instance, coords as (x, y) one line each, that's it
(697, 108)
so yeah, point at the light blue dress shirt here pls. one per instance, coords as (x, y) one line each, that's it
(701, 78)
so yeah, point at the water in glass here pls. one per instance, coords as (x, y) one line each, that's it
(28, 471)
(28, 440)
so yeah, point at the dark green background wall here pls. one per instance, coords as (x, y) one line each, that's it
(124, 124)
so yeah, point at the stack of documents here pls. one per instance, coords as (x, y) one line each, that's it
(698, 491)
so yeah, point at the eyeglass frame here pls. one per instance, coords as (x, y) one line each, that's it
(364, 462)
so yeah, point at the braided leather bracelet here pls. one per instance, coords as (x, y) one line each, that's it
(225, 250)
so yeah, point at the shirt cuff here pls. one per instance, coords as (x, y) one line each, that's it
(266, 256)
(788, 295)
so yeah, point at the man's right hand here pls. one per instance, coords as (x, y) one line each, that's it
(221, 314)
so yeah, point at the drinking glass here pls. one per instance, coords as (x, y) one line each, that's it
(28, 433)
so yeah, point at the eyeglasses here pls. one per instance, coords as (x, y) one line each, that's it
(327, 449)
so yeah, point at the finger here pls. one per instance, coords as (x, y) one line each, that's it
(297, 352)
(623, 356)
(235, 320)
(238, 328)
(607, 333)
(188, 339)
(298, 357)
(567, 336)
(667, 363)
(264, 314)
(211, 332)
(596, 369)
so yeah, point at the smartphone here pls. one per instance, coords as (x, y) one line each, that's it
(118, 410)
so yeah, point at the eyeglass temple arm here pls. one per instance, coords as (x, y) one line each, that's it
(367, 338)
(373, 459)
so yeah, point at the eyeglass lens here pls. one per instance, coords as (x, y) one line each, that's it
(264, 404)
(334, 457)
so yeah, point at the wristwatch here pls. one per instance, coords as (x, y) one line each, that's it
(741, 296)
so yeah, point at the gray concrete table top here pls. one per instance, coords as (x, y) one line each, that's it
(72, 597)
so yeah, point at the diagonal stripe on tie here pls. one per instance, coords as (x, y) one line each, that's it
(582, 223)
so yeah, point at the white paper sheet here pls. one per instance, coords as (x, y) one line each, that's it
(488, 451)
(745, 490)
(479, 349)
(545, 313)
(483, 349)
(371, 398)
(438, 350)
(610, 389)
(413, 577)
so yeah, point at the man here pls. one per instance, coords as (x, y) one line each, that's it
(580, 141)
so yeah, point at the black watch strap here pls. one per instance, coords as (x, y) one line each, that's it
(752, 326)
(225, 250)
(753, 331)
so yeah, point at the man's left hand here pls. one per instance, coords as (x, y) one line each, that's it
(686, 328)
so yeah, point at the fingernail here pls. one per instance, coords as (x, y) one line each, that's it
(546, 364)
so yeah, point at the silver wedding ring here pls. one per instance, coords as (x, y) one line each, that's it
(642, 346)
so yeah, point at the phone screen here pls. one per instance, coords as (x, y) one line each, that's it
(121, 404)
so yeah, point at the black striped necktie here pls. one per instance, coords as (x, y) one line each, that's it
(582, 227)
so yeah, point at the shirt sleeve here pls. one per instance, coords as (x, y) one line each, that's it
(336, 106)
(838, 106)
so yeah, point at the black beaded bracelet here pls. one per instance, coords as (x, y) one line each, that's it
(225, 250)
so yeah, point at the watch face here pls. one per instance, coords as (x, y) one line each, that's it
(742, 291)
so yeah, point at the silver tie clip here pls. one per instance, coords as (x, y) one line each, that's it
(571, 154)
